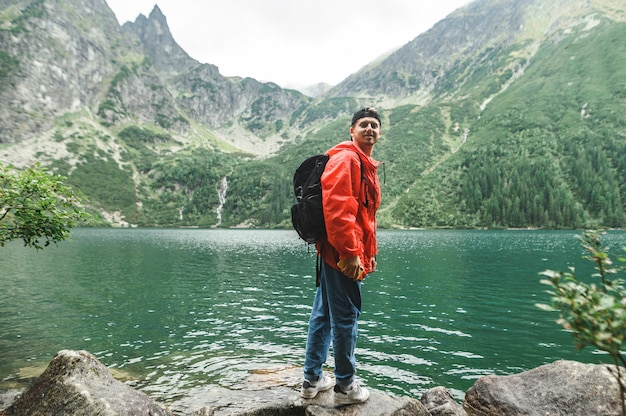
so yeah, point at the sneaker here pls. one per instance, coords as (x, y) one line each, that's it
(351, 394)
(310, 390)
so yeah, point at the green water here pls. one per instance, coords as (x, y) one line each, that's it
(182, 309)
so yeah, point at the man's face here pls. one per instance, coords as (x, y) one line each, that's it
(365, 133)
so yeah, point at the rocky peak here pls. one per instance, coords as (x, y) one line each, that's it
(159, 44)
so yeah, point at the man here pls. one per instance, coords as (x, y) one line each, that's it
(351, 197)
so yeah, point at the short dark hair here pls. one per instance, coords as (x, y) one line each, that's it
(365, 112)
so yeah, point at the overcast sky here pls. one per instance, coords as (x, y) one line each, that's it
(293, 43)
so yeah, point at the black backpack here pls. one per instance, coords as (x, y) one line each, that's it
(307, 215)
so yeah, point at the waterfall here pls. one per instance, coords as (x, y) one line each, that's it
(221, 196)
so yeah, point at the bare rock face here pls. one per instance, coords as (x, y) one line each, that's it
(76, 383)
(560, 388)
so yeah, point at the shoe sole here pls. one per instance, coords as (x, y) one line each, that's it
(308, 395)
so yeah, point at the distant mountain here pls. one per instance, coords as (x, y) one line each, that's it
(314, 90)
(507, 113)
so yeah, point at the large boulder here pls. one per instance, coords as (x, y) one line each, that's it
(560, 388)
(75, 383)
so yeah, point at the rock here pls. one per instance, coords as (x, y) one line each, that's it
(440, 402)
(8, 397)
(276, 392)
(76, 383)
(561, 388)
(379, 404)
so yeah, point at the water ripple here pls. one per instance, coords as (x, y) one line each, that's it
(180, 310)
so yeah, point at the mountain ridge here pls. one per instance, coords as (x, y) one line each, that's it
(126, 103)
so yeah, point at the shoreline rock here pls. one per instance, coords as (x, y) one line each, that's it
(560, 388)
(76, 383)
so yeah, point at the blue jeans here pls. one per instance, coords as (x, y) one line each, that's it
(335, 315)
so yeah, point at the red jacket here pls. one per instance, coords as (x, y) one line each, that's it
(350, 204)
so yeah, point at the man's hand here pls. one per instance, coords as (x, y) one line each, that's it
(351, 267)
(373, 265)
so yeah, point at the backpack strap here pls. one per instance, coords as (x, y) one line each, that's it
(318, 270)
(366, 203)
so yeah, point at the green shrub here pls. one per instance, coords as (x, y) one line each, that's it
(594, 313)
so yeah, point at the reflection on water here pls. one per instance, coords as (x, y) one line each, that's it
(181, 309)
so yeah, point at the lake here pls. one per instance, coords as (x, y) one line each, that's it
(177, 309)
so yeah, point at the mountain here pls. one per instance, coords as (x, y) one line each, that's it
(72, 59)
(314, 90)
(496, 99)
(158, 44)
(51, 66)
(507, 113)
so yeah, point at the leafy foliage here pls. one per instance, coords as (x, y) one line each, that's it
(260, 195)
(182, 189)
(594, 313)
(113, 190)
(327, 109)
(37, 207)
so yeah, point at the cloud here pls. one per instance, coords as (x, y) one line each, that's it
(291, 43)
